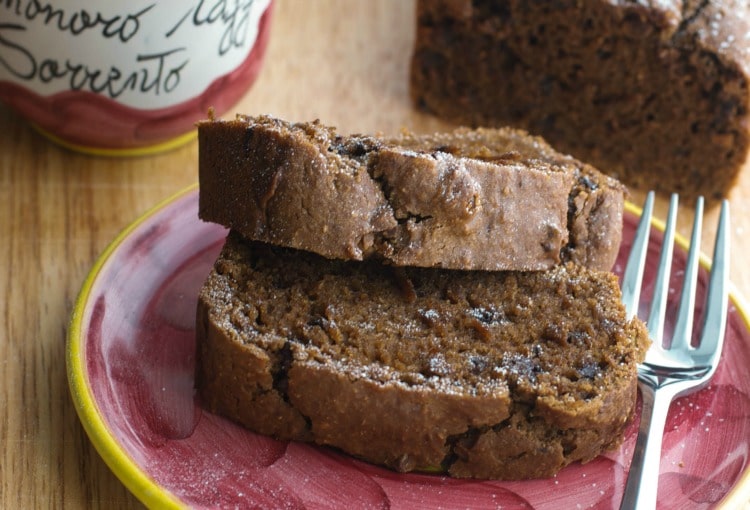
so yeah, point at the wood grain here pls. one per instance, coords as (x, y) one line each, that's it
(343, 61)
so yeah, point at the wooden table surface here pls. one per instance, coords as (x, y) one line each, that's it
(344, 62)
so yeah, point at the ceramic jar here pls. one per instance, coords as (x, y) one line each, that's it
(130, 77)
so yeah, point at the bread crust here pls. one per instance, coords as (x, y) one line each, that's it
(511, 204)
(338, 353)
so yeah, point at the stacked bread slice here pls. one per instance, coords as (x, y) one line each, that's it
(421, 302)
(472, 199)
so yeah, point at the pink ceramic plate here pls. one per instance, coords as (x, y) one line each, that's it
(130, 367)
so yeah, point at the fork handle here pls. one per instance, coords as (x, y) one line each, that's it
(643, 479)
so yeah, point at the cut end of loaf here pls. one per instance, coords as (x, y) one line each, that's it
(654, 93)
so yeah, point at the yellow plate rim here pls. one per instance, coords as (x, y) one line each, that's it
(122, 465)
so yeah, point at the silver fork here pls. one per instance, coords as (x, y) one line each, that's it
(679, 369)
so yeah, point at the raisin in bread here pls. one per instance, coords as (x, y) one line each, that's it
(654, 93)
(472, 199)
(504, 375)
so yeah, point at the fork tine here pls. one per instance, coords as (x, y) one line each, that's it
(714, 319)
(683, 328)
(661, 286)
(633, 276)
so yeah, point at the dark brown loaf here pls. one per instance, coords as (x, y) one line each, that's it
(472, 199)
(484, 374)
(655, 93)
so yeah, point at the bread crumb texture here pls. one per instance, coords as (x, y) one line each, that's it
(505, 375)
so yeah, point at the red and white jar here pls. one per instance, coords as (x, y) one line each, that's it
(115, 77)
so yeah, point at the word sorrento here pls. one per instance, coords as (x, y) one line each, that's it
(124, 51)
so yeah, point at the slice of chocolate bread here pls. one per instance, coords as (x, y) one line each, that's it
(654, 93)
(482, 199)
(505, 375)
